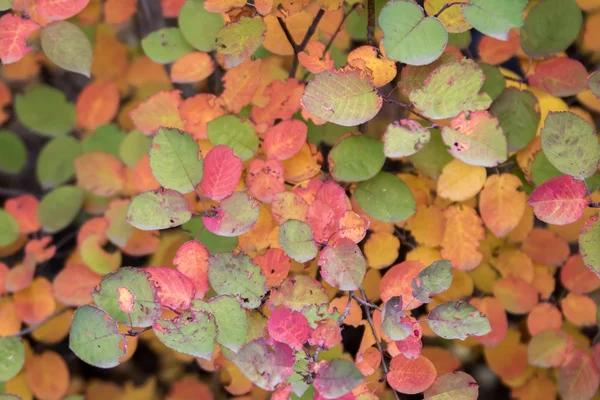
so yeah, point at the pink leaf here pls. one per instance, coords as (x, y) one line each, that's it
(175, 290)
(559, 201)
(322, 220)
(14, 31)
(60, 9)
(289, 327)
(343, 265)
(222, 173)
(285, 139)
(192, 261)
(561, 76)
(334, 195)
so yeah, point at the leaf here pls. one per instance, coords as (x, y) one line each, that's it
(96, 258)
(9, 229)
(158, 209)
(337, 378)
(45, 110)
(146, 301)
(60, 9)
(175, 290)
(460, 181)
(235, 133)
(166, 45)
(214, 244)
(237, 275)
(560, 76)
(14, 32)
(344, 97)
(397, 282)
(12, 356)
(550, 27)
(578, 378)
(161, 110)
(236, 215)
(518, 112)
(453, 386)
(495, 82)
(55, 163)
(411, 376)
(199, 26)
(296, 239)
(230, 317)
(74, 284)
(386, 198)
(311, 57)
(192, 332)
(516, 295)
(570, 144)
(13, 154)
(24, 208)
(237, 41)
(409, 36)
(457, 320)
(59, 208)
(265, 363)
(265, 179)
(588, 240)
(343, 265)
(99, 173)
(594, 83)
(66, 45)
(451, 89)
(461, 242)
(47, 375)
(395, 323)
(97, 104)
(345, 166)
(289, 327)
(175, 160)
(495, 18)
(285, 139)
(192, 261)
(476, 139)
(434, 279)
(404, 138)
(95, 337)
(559, 201)
(501, 204)
(381, 70)
(549, 348)
(433, 157)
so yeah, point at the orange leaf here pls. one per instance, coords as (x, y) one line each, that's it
(310, 58)
(275, 265)
(100, 173)
(24, 209)
(494, 51)
(546, 247)
(5, 99)
(74, 284)
(240, 84)
(398, 282)
(11, 323)
(284, 102)
(176, 290)
(192, 67)
(285, 139)
(380, 70)
(265, 179)
(97, 104)
(516, 295)
(464, 232)
(47, 375)
(578, 278)
(110, 58)
(198, 111)
(579, 309)
(119, 11)
(14, 31)
(578, 378)
(20, 276)
(411, 376)
(36, 302)
(509, 358)
(501, 205)
(543, 317)
(192, 261)
(159, 110)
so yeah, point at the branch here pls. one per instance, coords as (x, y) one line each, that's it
(339, 28)
(42, 322)
(411, 110)
(346, 310)
(447, 6)
(371, 22)
(377, 341)
(298, 48)
(364, 303)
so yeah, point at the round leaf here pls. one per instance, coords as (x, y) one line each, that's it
(495, 18)
(230, 317)
(434, 279)
(237, 41)
(45, 110)
(198, 26)
(337, 378)
(458, 320)
(296, 239)
(386, 197)
(346, 166)
(411, 376)
(234, 133)
(343, 265)
(158, 209)
(12, 357)
(266, 364)
(193, 333)
(237, 215)
(166, 45)
(9, 229)
(214, 243)
(518, 113)
(456, 385)
(13, 153)
(59, 208)
(67, 46)
(404, 138)
(55, 164)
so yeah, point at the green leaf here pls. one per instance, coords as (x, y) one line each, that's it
(67, 46)
(594, 83)
(296, 239)
(9, 229)
(434, 279)
(494, 83)
(235, 133)
(237, 41)
(542, 169)
(337, 378)
(570, 144)
(237, 275)
(550, 27)
(166, 45)
(344, 97)
(409, 36)
(5, 5)
(175, 160)
(433, 157)
(404, 138)
(395, 323)
(12, 357)
(235, 216)
(198, 26)
(588, 244)
(346, 166)
(230, 317)
(55, 162)
(518, 112)
(214, 243)
(13, 153)
(451, 89)
(59, 208)
(460, 40)
(135, 146)
(458, 320)
(267, 364)
(297, 292)
(192, 332)
(386, 197)
(158, 209)
(495, 18)
(106, 138)
(477, 139)
(146, 303)
(95, 337)
(45, 110)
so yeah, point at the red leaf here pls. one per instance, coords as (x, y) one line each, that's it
(559, 201)
(60, 9)
(222, 172)
(192, 261)
(264, 179)
(176, 290)
(561, 76)
(334, 195)
(326, 335)
(322, 220)
(289, 327)
(285, 139)
(275, 264)
(14, 31)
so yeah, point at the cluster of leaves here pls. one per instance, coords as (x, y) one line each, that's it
(288, 169)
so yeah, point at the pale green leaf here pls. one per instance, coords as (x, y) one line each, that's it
(9, 229)
(55, 162)
(59, 208)
(594, 83)
(12, 357)
(158, 209)
(192, 332)
(45, 110)
(296, 239)
(434, 279)
(235, 216)
(588, 244)
(231, 320)
(267, 364)
(237, 41)
(433, 157)
(404, 138)
(495, 18)
(337, 378)
(458, 320)
(395, 323)
(166, 45)
(198, 26)
(343, 265)
(67, 46)
(235, 133)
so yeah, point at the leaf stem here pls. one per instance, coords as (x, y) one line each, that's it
(298, 48)
(411, 110)
(364, 303)
(371, 22)
(447, 6)
(377, 341)
(42, 322)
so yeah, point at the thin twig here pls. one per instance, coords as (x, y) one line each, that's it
(447, 6)
(288, 34)
(339, 28)
(365, 303)
(377, 341)
(411, 110)
(346, 310)
(371, 22)
(134, 333)
(42, 322)
(298, 48)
